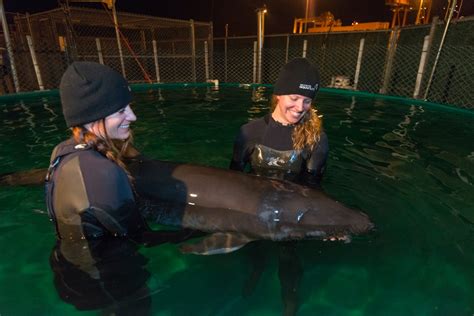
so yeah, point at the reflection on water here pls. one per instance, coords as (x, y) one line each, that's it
(349, 111)
(258, 94)
(212, 93)
(259, 105)
(410, 167)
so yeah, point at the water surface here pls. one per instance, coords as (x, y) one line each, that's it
(410, 167)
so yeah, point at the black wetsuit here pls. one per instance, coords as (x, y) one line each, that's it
(89, 196)
(265, 147)
(105, 273)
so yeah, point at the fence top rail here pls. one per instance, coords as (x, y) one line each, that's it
(100, 17)
(407, 27)
(236, 37)
(304, 34)
(329, 33)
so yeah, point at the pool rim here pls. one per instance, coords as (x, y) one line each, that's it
(347, 92)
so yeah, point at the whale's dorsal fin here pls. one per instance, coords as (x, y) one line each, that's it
(217, 243)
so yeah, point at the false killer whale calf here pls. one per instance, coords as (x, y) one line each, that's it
(235, 208)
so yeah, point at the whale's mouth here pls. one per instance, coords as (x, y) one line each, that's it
(345, 238)
(330, 236)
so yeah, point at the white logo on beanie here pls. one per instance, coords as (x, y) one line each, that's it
(308, 87)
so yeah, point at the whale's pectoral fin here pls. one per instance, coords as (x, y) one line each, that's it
(217, 243)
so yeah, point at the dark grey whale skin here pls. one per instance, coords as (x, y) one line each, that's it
(218, 200)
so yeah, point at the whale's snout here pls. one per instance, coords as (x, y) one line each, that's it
(363, 224)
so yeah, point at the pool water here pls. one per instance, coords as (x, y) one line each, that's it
(410, 167)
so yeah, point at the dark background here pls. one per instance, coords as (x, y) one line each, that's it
(240, 14)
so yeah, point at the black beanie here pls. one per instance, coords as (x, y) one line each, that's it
(298, 76)
(90, 91)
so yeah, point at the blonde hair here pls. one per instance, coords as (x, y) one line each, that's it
(307, 131)
(114, 150)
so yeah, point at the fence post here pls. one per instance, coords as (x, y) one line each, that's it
(359, 62)
(225, 51)
(6, 33)
(421, 67)
(392, 47)
(424, 60)
(287, 47)
(119, 44)
(206, 60)
(35, 62)
(99, 50)
(305, 47)
(254, 62)
(155, 58)
(193, 50)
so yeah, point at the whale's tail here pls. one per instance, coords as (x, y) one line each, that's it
(24, 178)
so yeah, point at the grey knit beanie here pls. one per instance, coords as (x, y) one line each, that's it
(298, 76)
(90, 91)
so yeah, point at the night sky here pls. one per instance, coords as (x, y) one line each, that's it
(240, 14)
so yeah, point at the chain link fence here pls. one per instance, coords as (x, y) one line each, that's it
(144, 49)
(399, 62)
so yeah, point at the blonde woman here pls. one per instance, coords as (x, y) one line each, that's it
(289, 143)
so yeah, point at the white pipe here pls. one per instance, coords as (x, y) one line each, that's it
(35, 62)
(260, 37)
(193, 49)
(305, 47)
(99, 50)
(359, 62)
(211, 49)
(254, 62)
(155, 58)
(206, 60)
(6, 33)
(421, 67)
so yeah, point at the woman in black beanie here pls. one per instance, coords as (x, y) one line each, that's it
(89, 191)
(91, 201)
(288, 143)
